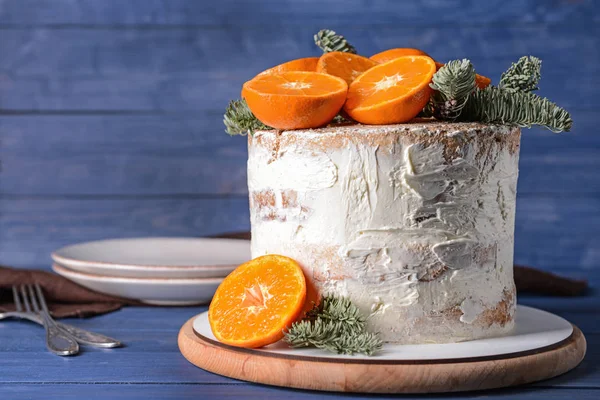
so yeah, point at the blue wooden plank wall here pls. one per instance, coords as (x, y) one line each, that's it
(110, 111)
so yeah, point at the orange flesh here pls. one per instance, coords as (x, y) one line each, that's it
(387, 82)
(301, 64)
(294, 84)
(392, 54)
(257, 301)
(344, 65)
(295, 99)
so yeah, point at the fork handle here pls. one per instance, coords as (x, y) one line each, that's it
(58, 341)
(81, 335)
(90, 338)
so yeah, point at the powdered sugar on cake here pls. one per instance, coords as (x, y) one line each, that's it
(413, 222)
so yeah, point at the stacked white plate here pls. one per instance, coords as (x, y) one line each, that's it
(161, 271)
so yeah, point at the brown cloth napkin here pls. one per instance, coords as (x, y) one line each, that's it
(532, 280)
(68, 299)
(64, 297)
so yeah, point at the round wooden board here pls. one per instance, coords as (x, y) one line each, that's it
(384, 376)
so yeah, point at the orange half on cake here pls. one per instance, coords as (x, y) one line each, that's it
(392, 92)
(347, 66)
(295, 99)
(256, 302)
(300, 64)
(392, 54)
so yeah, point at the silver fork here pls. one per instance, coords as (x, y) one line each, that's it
(57, 341)
(81, 335)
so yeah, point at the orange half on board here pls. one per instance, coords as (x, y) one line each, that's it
(295, 99)
(347, 66)
(391, 93)
(256, 302)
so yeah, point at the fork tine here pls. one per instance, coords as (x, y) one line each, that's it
(18, 305)
(33, 297)
(41, 298)
(25, 300)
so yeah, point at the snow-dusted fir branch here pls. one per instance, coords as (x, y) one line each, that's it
(326, 335)
(500, 106)
(455, 97)
(239, 120)
(335, 325)
(452, 84)
(522, 76)
(328, 41)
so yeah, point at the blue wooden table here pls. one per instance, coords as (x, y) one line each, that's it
(150, 366)
(110, 126)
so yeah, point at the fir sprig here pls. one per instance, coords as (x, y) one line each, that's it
(522, 76)
(328, 41)
(501, 106)
(453, 84)
(239, 120)
(511, 105)
(339, 309)
(335, 325)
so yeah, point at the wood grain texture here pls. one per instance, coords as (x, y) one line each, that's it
(373, 377)
(121, 155)
(213, 12)
(68, 391)
(200, 69)
(190, 154)
(31, 228)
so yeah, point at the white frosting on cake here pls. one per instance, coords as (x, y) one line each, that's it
(413, 222)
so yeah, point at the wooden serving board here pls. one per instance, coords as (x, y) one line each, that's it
(381, 376)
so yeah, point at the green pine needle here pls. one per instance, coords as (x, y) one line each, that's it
(340, 119)
(455, 97)
(336, 325)
(523, 75)
(501, 106)
(453, 84)
(326, 335)
(328, 41)
(341, 310)
(239, 120)
(366, 343)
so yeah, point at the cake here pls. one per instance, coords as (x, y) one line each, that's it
(413, 222)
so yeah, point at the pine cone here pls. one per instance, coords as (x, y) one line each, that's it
(447, 110)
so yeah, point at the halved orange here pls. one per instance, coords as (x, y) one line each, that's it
(295, 99)
(344, 65)
(392, 54)
(256, 302)
(481, 81)
(301, 64)
(392, 92)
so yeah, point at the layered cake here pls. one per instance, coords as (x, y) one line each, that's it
(413, 222)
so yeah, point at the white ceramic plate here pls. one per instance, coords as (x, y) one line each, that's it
(156, 257)
(157, 291)
(534, 329)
